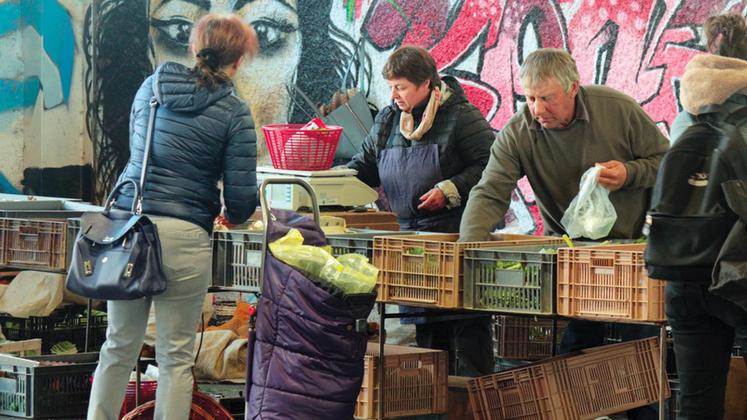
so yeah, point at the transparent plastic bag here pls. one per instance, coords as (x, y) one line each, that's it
(358, 275)
(591, 213)
(351, 272)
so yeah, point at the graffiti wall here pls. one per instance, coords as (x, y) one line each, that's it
(42, 124)
(70, 68)
(316, 47)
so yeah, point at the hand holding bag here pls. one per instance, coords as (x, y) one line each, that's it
(117, 253)
(591, 213)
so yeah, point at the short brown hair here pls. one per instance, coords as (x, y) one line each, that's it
(725, 35)
(412, 63)
(219, 41)
(545, 63)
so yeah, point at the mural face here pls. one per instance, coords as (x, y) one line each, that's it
(296, 54)
(276, 25)
(639, 47)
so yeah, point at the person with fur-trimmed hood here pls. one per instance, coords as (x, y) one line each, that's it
(704, 325)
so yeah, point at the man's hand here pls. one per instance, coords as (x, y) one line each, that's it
(613, 175)
(432, 200)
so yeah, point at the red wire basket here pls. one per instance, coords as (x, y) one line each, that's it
(299, 149)
(147, 393)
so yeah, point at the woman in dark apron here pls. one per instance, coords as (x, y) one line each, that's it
(427, 149)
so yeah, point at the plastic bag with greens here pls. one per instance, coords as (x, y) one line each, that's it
(591, 213)
(351, 273)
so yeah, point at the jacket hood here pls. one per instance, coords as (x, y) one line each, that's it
(175, 87)
(711, 80)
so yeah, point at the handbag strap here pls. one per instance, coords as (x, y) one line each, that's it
(293, 92)
(146, 154)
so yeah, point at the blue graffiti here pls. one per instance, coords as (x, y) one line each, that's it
(53, 28)
(6, 187)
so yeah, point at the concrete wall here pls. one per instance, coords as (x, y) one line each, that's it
(639, 47)
(42, 105)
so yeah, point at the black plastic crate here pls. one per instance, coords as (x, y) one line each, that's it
(62, 325)
(32, 388)
(525, 338)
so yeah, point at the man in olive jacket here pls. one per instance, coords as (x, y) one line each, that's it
(563, 130)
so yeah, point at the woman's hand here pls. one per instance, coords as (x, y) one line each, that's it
(432, 200)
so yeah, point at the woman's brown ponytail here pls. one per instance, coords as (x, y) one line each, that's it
(219, 41)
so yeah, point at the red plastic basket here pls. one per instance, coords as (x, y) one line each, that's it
(147, 393)
(291, 147)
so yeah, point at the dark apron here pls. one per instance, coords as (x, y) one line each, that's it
(406, 174)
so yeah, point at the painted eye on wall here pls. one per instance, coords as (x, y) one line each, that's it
(272, 34)
(174, 31)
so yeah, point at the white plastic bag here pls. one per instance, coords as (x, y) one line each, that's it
(591, 213)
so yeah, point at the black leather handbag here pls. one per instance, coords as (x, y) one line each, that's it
(117, 253)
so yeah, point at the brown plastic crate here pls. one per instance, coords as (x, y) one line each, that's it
(524, 338)
(599, 381)
(608, 282)
(35, 243)
(427, 270)
(415, 382)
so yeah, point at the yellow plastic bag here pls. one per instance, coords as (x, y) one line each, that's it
(351, 272)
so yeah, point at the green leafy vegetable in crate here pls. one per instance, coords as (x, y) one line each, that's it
(415, 250)
(508, 265)
(548, 251)
(63, 347)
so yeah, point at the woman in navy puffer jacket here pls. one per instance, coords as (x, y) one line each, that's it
(203, 133)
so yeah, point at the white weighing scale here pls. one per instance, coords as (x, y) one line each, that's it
(338, 187)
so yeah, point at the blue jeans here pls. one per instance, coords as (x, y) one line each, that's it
(187, 262)
(705, 329)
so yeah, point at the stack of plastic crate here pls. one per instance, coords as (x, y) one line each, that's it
(596, 382)
(415, 382)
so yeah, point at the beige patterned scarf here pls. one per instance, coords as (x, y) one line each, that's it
(407, 121)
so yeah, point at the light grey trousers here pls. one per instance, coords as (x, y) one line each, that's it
(187, 263)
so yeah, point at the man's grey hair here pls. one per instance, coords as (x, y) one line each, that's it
(545, 63)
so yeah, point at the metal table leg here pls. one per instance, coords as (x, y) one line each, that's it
(382, 340)
(662, 370)
(88, 326)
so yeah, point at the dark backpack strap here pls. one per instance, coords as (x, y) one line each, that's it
(738, 117)
(719, 113)
(711, 113)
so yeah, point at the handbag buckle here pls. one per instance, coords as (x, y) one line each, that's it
(128, 270)
(87, 267)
